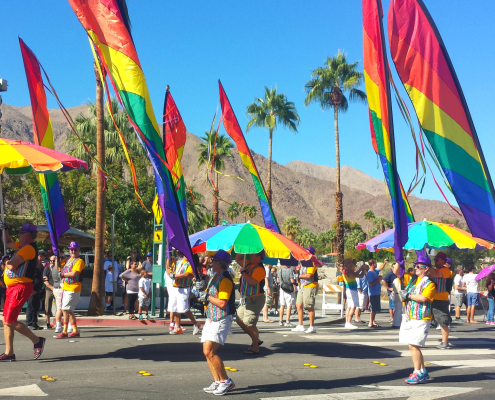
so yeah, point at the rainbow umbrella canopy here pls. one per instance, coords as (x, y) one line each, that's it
(433, 235)
(247, 238)
(18, 157)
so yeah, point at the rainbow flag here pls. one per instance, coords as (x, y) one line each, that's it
(235, 132)
(174, 133)
(108, 29)
(376, 74)
(53, 203)
(429, 78)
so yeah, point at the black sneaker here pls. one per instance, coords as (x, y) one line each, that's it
(48, 326)
(39, 347)
(5, 358)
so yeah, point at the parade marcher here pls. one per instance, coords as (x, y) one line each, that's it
(350, 274)
(459, 294)
(306, 296)
(71, 285)
(473, 293)
(418, 297)
(219, 316)
(18, 277)
(252, 300)
(490, 286)
(442, 277)
(287, 285)
(51, 277)
(362, 287)
(374, 289)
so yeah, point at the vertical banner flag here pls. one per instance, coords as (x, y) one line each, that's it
(174, 135)
(376, 74)
(53, 202)
(234, 130)
(425, 69)
(108, 28)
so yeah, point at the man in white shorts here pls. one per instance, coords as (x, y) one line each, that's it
(71, 285)
(418, 296)
(350, 274)
(219, 316)
(362, 287)
(285, 279)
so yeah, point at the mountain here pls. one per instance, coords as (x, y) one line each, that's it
(300, 189)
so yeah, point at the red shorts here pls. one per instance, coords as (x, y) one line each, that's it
(16, 296)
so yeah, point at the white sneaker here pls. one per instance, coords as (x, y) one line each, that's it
(282, 324)
(196, 329)
(438, 327)
(348, 325)
(311, 329)
(287, 324)
(212, 387)
(298, 328)
(224, 387)
(59, 329)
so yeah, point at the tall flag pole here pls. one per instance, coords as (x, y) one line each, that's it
(235, 132)
(377, 81)
(53, 203)
(425, 69)
(107, 25)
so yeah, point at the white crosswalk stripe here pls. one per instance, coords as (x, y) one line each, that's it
(490, 363)
(437, 352)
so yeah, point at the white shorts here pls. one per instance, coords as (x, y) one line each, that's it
(218, 331)
(286, 299)
(69, 300)
(413, 331)
(57, 293)
(178, 299)
(352, 298)
(363, 301)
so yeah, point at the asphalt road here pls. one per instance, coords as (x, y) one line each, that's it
(104, 364)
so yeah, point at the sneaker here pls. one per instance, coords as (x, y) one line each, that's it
(70, 331)
(298, 328)
(171, 327)
(59, 329)
(311, 329)
(443, 346)
(148, 317)
(212, 387)
(348, 325)
(287, 324)
(39, 347)
(413, 379)
(438, 327)
(196, 329)
(177, 332)
(5, 358)
(282, 324)
(35, 328)
(74, 334)
(62, 335)
(49, 326)
(224, 387)
(140, 317)
(424, 377)
(459, 320)
(492, 323)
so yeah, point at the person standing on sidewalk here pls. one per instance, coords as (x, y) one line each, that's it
(418, 296)
(490, 286)
(374, 289)
(18, 277)
(473, 293)
(287, 284)
(220, 313)
(442, 277)
(362, 287)
(51, 277)
(268, 293)
(459, 294)
(350, 275)
(71, 285)
(388, 282)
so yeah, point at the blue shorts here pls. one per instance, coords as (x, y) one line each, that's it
(391, 302)
(473, 299)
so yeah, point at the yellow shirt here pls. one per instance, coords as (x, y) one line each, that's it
(27, 253)
(224, 289)
(74, 287)
(407, 278)
(312, 271)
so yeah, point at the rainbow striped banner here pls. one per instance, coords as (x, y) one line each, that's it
(108, 29)
(235, 132)
(429, 78)
(53, 203)
(376, 75)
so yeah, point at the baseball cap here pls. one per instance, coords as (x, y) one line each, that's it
(442, 255)
(28, 227)
(422, 259)
(222, 255)
(448, 261)
(42, 252)
(73, 245)
(149, 254)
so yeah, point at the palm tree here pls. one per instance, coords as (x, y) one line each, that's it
(369, 216)
(292, 227)
(327, 86)
(251, 212)
(267, 112)
(222, 147)
(306, 237)
(233, 211)
(380, 223)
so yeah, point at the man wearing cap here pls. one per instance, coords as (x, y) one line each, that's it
(52, 280)
(71, 285)
(220, 312)
(18, 277)
(148, 264)
(251, 288)
(418, 297)
(459, 293)
(442, 277)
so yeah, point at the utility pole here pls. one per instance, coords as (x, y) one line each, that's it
(3, 88)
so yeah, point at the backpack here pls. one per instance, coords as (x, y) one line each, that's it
(287, 287)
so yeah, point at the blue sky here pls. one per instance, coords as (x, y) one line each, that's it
(189, 45)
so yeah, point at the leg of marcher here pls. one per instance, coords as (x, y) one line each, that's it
(358, 315)
(289, 309)
(281, 314)
(300, 313)
(417, 357)
(24, 330)
(311, 312)
(214, 361)
(8, 334)
(445, 333)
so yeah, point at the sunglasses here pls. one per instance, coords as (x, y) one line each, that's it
(215, 259)
(52, 261)
(420, 266)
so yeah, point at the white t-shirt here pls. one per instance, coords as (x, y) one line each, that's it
(459, 282)
(268, 274)
(145, 284)
(108, 282)
(471, 283)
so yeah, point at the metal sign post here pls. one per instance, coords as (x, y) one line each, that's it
(115, 275)
(159, 260)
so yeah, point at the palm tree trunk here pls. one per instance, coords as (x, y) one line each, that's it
(339, 213)
(96, 300)
(269, 178)
(215, 203)
(367, 229)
